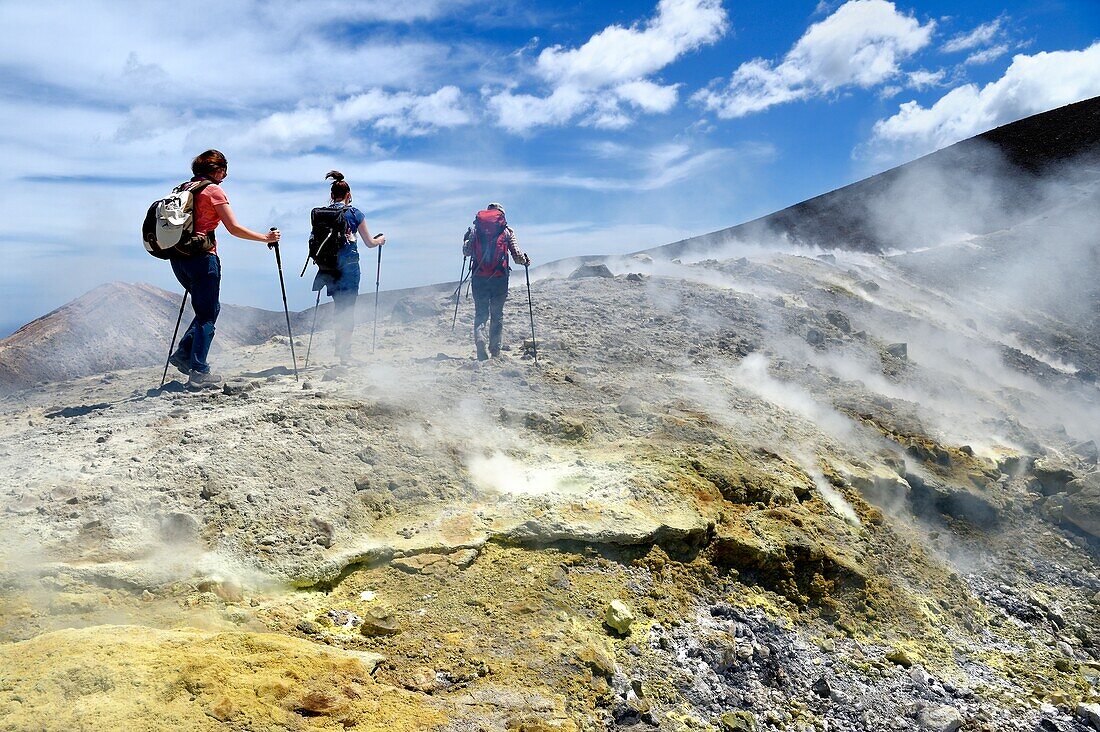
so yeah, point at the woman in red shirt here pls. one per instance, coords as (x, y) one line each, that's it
(201, 274)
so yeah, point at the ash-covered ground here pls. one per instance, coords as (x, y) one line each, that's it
(824, 491)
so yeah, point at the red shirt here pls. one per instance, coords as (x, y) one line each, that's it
(206, 216)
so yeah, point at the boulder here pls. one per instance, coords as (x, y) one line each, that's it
(899, 350)
(1089, 714)
(1087, 451)
(1082, 508)
(408, 310)
(591, 270)
(882, 485)
(631, 405)
(179, 528)
(1053, 474)
(839, 321)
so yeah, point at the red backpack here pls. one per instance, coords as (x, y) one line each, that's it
(489, 246)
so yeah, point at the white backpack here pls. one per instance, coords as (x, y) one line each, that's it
(169, 227)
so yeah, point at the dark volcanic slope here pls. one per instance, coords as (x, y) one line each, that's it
(117, 325)
(1022, 151)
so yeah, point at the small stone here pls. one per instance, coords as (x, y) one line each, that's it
(839, 321)
(823, 688)
(598, 655)
(379, 621)
(618, 617)
(919, 676)
(224, 710)
(900, 657)
(940, 719)
(737, 722)
(308, 627)
(324, 532)
(899, 351)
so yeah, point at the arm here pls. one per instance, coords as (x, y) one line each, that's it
(225, 213)
(513, 246)
(370, 241)
(466, 241)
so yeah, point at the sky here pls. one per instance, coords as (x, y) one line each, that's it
(602, 127)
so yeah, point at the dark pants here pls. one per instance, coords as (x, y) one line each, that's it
(202, 277)
(489, 296)
(342, 284)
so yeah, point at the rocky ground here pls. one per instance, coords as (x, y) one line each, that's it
(780, 491)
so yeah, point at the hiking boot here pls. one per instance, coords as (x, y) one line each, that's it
(183, 365)
(204, 380)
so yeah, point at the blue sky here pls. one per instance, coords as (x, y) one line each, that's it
(603, 127)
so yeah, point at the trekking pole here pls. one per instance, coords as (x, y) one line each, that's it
(286, 308)
(458, 291)
(312, 328)
(172, 345)
(531, 310)
(377, 280)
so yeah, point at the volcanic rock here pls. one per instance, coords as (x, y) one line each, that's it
(618, 617)
(409, 310)
(379, 621)
(591, 270)
(1082, 507)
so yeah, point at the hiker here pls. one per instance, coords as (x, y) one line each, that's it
(488, 242)
(338, 267)
(201, 273)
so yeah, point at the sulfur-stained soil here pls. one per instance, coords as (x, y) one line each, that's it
(811, 527)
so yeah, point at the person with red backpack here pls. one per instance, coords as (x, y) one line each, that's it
(488, 243)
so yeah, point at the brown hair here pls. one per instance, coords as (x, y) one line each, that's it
(208, 162)
(340, 187)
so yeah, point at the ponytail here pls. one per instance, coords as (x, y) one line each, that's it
(340, 187)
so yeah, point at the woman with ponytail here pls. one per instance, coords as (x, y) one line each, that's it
(342, 282)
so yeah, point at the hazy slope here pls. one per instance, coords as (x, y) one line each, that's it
(859, 216)
(117, 325)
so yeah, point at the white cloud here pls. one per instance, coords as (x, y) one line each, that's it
(610, 70)
(1030, 85)
(618, 54)
(250, 54)
(861, 44)
(647, 95)
(926, 79)
(983, 35)
(986, 55)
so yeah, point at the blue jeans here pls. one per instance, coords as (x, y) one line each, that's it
(202, 277)
(489, 296)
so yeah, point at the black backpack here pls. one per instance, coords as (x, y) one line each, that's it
(330, 232)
